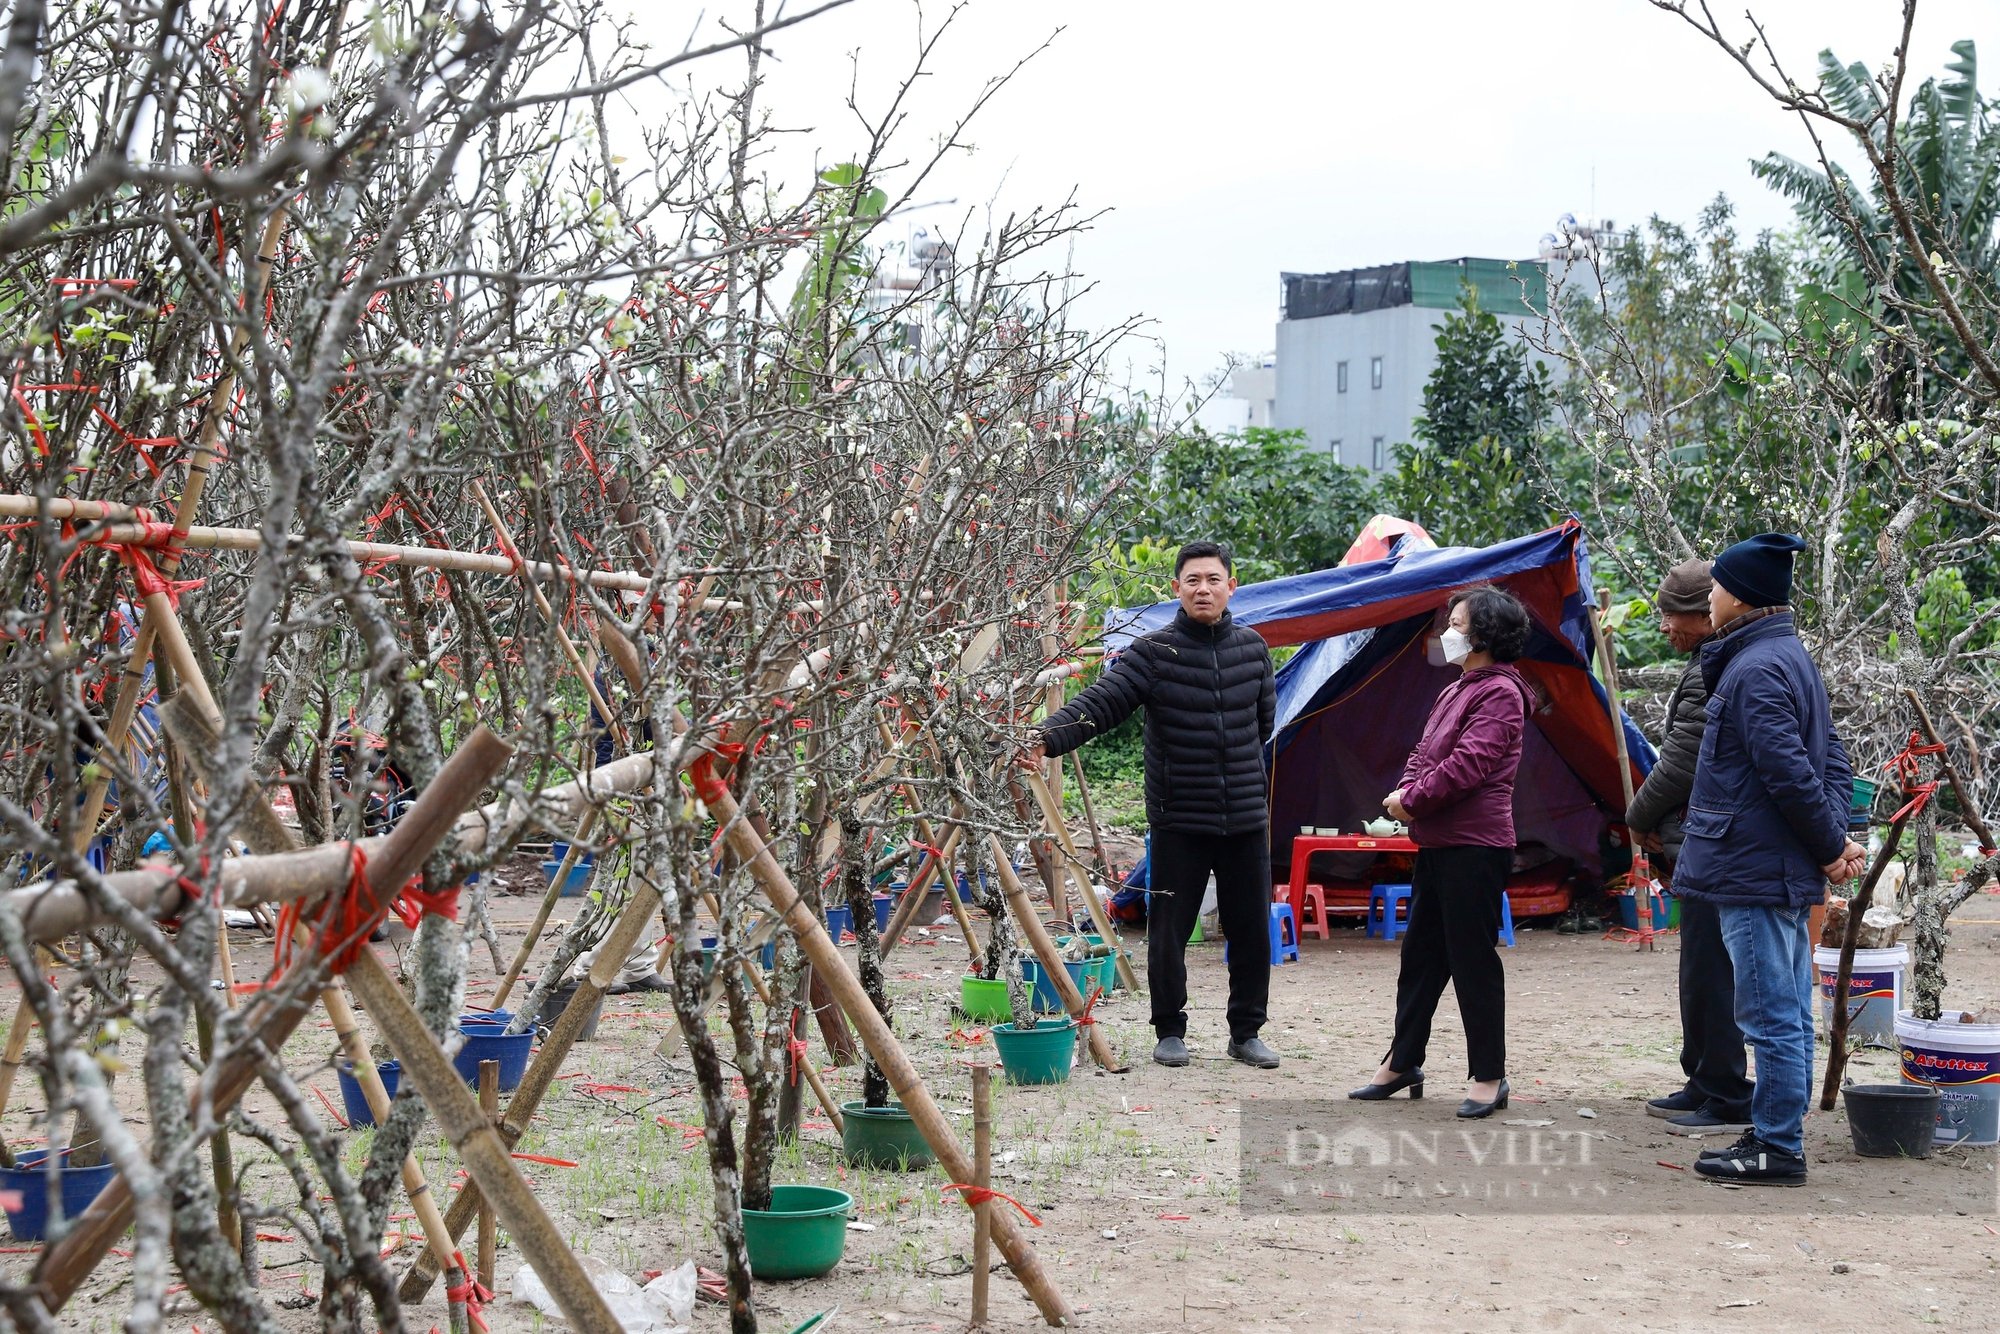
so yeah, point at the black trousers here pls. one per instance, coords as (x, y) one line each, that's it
(1179, 869)
(1453, 936)
(1711, 1043)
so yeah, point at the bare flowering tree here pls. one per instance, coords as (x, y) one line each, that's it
(1858, 411)
(381, 389)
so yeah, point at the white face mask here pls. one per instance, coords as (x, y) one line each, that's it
(1456, 645)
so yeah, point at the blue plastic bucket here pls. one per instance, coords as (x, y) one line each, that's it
(492, 1042)
(1047, 1000)
(839, 922)
(577, 882)
(359, 1113)
(884, 905)
(80, 1185)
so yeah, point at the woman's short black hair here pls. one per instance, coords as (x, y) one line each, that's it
(1498, 621)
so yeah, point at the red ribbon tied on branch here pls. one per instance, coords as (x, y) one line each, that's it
(472, 1293)
(349, 917)
(980, 1195)
(1905, 765)
(708, 785)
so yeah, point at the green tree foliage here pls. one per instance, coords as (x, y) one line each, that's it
(1486, 385)
(1484, 492)
(1689, 312)
(1281, 506)
(1947, 147)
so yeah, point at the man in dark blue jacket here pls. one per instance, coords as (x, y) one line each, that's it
(1765, 830)
(1206, 685)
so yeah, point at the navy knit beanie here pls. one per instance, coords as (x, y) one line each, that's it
(1759, 569)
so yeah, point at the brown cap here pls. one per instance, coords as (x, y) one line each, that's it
(1685, 589)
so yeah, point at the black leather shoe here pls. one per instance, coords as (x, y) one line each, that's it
(1472, 1111)
(1413, 1080)
(1170, 1051)
(1252, 1051)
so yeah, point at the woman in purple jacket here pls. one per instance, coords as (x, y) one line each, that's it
(1458, 795)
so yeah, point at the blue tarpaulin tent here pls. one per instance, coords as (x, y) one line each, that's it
(1352, 701)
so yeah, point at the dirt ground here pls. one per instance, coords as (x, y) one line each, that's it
(1137, 1177)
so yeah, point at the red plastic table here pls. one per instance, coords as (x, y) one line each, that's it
(1305, 845)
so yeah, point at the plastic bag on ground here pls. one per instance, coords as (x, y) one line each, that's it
(660, 1307)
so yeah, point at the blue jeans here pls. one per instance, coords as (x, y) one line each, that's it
(1772, 955)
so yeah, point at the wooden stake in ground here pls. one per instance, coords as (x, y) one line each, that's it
(982, 1181)
(880, 1041)
(489, 1229)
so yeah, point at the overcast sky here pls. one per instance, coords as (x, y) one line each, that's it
(1232, 141)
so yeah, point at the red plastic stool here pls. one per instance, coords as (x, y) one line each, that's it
(1312, 913)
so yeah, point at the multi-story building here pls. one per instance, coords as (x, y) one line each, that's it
(1355, 347)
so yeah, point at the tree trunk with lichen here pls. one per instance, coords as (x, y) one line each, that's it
(868, 948)
(690, 995)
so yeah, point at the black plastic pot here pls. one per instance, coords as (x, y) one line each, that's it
(558, 1001)
(1892, 1120)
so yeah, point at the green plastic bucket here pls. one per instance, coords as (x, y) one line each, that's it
(1038, 1055)
(883, 1137)
(984, 1000)
(802, 1234)
(1107, 968)
(1862, 812)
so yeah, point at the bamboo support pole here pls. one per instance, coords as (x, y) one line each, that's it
(10, 1064)
(198, 736)
(570, 858)
(487, 1157)
(618, 943)
(275, 1014)
(1051, 959)
(982, 1180)
(548, 1059)
(882, 1045)
(489, 1228)
(131, 683)
(51, 911)
(347, 1028)
(1090, 818)
(513, 554)
(199, 537)
(956, 907)
(1080, 873)
(1607, 655)
(913, 897)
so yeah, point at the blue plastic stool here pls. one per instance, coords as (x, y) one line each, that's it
(1382, 901)
(1506, 921)
(1284, 937)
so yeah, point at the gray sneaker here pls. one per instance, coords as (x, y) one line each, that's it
(1170, 1051)
(1252, 1051)
(1704, 1122)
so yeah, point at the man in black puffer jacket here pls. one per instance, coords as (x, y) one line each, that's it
(1206, 686)
(1716, 1097)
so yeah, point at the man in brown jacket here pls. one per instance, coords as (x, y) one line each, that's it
(1716, 1098)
